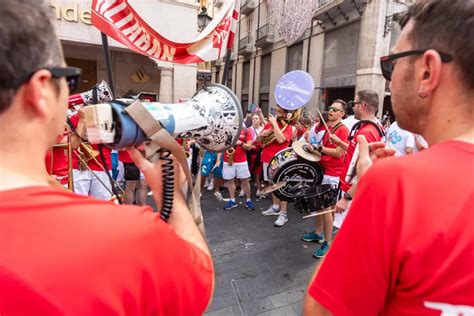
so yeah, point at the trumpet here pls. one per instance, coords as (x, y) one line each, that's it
(230, 156)
(185, 145)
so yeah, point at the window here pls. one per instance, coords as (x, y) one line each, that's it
(294, 57)
(264, 93)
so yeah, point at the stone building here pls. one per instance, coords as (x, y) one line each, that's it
(341, 51)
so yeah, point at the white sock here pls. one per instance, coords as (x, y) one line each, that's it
(276, 207)
(233, 200)
(249, 200)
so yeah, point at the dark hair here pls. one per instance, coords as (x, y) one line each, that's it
(369, 97)
(446, 26)
(28, 42)
(343, 103)
(305, 121)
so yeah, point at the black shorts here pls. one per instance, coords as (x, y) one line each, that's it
(131, 172)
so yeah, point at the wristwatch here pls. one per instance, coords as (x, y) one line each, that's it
(319, 148)
(347, 196)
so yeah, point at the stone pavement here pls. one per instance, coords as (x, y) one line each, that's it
(260, 269)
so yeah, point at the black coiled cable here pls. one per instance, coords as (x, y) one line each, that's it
(168, 184)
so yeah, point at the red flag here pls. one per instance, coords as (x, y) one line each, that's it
(119, 20)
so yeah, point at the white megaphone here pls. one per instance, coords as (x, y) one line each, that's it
(104, 94)
(213, 117)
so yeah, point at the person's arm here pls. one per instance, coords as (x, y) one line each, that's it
(180, 219)
(410, 144)
(336, 140)
(279, 137)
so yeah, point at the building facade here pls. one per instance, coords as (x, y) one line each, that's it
(340, 49)
(82, 46)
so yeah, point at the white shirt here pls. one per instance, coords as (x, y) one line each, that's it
(422, 142)
(350, 121)
(315, 138)
(399, 139)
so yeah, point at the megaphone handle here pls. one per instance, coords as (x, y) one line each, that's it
(168, 184)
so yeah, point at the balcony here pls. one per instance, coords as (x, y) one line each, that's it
(247, 6)
(216, 63)
(265, 35)
(246, 46)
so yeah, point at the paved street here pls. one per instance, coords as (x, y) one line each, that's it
(260, 269)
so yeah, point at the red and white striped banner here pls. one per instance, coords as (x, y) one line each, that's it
(119, 20)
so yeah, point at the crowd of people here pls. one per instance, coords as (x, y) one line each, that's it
(405, 230)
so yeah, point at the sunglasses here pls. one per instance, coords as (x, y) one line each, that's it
(71, 74)
(353, 103)
(333, 109)
(387, 62)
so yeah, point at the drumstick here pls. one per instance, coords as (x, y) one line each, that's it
(324, 122)
(317, 214)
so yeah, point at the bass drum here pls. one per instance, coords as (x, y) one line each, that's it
(298, 173)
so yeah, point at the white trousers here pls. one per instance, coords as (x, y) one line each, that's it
(85, 183)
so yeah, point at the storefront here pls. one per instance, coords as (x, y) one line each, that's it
(82, 45)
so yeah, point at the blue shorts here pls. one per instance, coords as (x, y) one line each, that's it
(208, 161)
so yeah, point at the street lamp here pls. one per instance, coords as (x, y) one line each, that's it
(203, 19)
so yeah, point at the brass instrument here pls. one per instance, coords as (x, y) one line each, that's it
(230, 156)
(87, 154)
(267, 137)
(185, 145)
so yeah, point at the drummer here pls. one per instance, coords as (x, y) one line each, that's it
(275, 136)
(332, 160)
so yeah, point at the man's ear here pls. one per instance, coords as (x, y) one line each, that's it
(37, 90)
(429, 73)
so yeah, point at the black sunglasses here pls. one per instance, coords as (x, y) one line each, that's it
(72, 75)
(353, 103)
(386, 62)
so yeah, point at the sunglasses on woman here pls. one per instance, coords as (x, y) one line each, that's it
(387, 62)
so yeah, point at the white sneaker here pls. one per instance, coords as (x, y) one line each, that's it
(218, 196)
(281, 220)
(242, 193)
(271, 212)
(210, 187)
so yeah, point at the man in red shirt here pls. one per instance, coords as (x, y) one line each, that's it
(365, 105)
(406, 247)
(236, 166)
(281, 139)
(332, 161)
(67, 254)
(134, 180)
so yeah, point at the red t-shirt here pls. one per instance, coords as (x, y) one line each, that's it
(414, 254)
(124, 156)
(81, 256)
(92, 164)
(332, 166)
(372, 135)
(59, 164)
(269, 151)
(240, 154)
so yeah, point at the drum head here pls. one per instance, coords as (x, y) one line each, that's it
(299, 174)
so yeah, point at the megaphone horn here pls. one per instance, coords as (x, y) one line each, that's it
(104, 94)
(213, 117)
